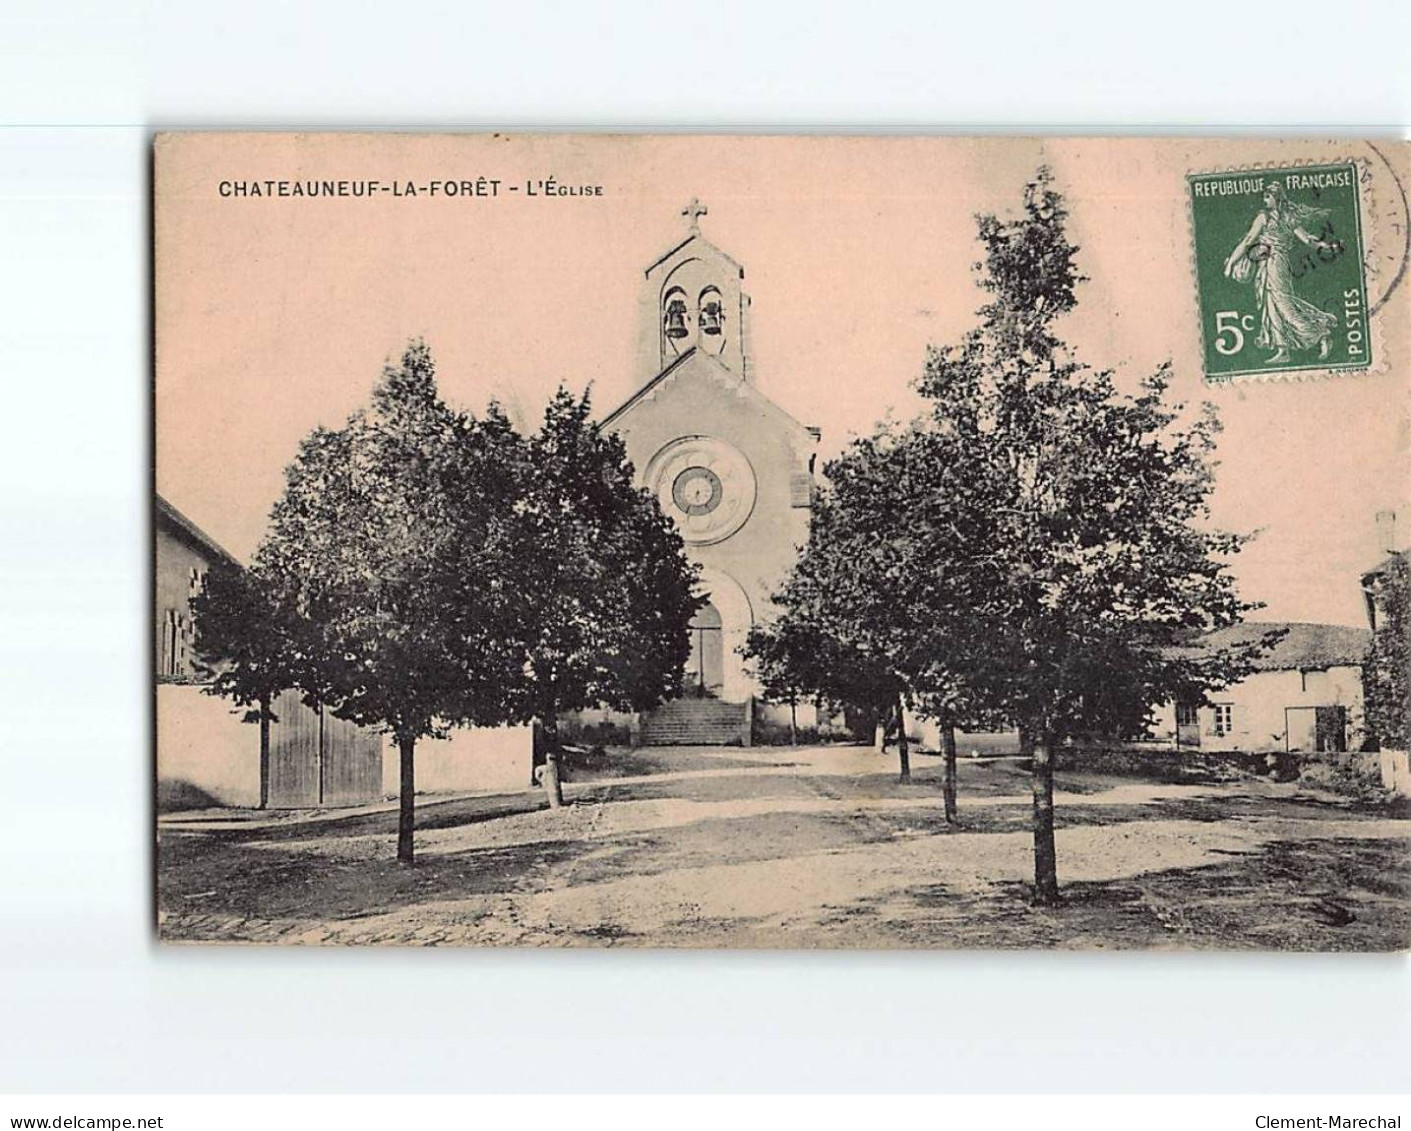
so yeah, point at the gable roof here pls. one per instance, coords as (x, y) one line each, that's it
(1305, 647)
(734, 384)
(695, 237)
(167, 515)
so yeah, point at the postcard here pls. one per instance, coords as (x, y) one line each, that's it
(782, 542)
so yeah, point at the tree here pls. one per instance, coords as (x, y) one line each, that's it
(881, 603)
(782, 651)
(246, 646)
(393, 549)
(839, 632)
(1090, 557)
(939, 571)
(610, 593)
(795, 657)
(1388, 668)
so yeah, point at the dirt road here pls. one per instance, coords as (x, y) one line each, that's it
(817, 847)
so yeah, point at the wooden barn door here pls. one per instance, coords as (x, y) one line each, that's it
(352, 763)
(316, 759)
(1300, 729)
(293, 754)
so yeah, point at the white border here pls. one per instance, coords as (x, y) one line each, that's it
(88, 1003)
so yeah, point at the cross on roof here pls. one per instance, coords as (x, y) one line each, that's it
(693, 212)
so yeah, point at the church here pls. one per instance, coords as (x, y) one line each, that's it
(732, 468)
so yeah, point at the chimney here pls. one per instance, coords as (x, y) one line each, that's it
(1387, 540)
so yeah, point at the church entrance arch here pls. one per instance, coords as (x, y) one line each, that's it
(718, 633)
(705, 670)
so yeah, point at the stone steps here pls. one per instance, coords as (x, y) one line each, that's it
(696, 722)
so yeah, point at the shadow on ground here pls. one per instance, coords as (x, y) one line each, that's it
(1326, 895)
(480, 858)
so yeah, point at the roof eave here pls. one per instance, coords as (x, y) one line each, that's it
(192, 532)
(694, 237)
(813, 433)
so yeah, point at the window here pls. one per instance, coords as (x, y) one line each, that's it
(173, 662)
(1187, 714)
(1224, 719)
(167, 661)
(800, 489)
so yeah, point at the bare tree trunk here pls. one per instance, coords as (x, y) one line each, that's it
(264, 706)
(1045, 856)
(553, 786)
(948, 746)
(793, 722)
(406, 815)
(902, 749)
(322, 754)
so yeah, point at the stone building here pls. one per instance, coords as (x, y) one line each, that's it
(183, 555)
(728, 464)
(208, 753)
(208, 750)
(1304, 695)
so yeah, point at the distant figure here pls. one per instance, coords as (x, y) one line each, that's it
(886, 734)
(1267, 253)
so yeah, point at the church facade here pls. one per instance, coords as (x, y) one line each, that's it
(733, 469)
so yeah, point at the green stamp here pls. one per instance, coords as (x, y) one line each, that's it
(1280, 270)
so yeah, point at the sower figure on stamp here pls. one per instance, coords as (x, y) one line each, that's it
(1267, 253)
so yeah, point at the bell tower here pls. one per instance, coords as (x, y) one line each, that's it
(692, 300)
(727, 465)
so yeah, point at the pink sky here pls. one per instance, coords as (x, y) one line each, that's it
(276, 315)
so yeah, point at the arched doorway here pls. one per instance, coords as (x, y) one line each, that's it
(730, 609)
(705, 670)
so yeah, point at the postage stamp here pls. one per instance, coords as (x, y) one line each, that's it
(1280, 269)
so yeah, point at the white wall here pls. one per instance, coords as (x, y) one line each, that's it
(777, 714)
(1395, 767)
(201, 742)
(1259, 702)
(925, 732)
(471, 760)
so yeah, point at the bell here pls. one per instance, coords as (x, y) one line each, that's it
(676, 318)
(711, 318)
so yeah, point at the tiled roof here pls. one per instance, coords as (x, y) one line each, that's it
(1305, 647)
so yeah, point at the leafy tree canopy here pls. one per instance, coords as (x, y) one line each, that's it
(394, 543)
(243, 643)
(1388, 669)
(1085, 509)
(610, 592)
